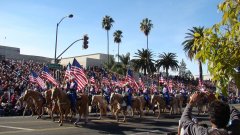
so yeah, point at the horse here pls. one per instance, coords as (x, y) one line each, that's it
(28, 104)
(82, 107)
(203, 103)
(117, 100)
(179, 103)
(160, 101)
(52, 106)
(63, 102)
(101, 103)
(136, 106)
(38, 101)
(144, 103)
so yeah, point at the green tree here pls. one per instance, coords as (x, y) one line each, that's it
(182, 69)
(167, 61)
(192, 38)
(118, 39)
(143, 57)
(146, 26)
(107, 25)
(124, 63)
(220, 46)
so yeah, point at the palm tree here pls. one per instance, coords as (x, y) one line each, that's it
(107, 24)
(144, 59)
(118, 39)
(146, 27)
(188, 45)
(124, 63)
(167, 61)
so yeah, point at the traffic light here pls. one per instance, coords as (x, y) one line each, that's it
(85, 41)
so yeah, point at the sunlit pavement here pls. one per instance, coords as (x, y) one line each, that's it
(148, 125)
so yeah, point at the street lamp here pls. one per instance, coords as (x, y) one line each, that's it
(69, 16)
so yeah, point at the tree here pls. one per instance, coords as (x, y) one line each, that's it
(146, 26)
(124, 63)
(182, 69)
(107, 24)
(220, 46)
(143, 57)
(117, 38)
(192, 38)
(167, 61)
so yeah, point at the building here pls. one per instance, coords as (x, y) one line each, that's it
(205, 77)
(96, 59)
(7, 52)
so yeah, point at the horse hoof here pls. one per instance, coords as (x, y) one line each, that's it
(124, 121)
(60, 124)
(59, 121)
(99, 118)
(75, 123)
(85, 122)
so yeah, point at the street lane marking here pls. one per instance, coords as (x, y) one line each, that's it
(35, 130)
(26, 122)
(28, 129)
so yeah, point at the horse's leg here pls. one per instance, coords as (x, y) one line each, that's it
(101, 112)
(61, 119)
(159, 111)
(116, 114)
(124, 115)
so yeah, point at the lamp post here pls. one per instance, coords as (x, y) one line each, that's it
(69, 16)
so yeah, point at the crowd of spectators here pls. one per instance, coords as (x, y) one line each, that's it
(14, 79)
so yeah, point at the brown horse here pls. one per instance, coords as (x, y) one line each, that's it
(26, 104)
(161, 104)
(52, 107)
(179, 103)
(136, 106)
(143, 103)
(38, 100)
(82, 107)
(203, 103)
(101, 103)
(117, 100)
(63, 102)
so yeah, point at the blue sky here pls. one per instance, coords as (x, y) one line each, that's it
(31, 25)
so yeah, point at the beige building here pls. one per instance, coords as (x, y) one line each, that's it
(96, 59)
(7, 52)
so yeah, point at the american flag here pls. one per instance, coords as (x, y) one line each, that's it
(38, 80)
(105, 78)
(46, 75)
(131, 80)
(78, 73)
(31, 78)
(68, 72)
(92, 80)
(114, 81)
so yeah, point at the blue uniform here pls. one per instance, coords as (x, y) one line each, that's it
(166, 95)
(129, 97)
(106, 94)
(73, 95)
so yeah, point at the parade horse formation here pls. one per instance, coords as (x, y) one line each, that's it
(56, 103)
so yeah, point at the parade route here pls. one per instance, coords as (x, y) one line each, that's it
(148, 125)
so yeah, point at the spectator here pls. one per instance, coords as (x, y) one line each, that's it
(219, 113)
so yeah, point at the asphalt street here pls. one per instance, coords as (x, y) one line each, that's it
(148, 125)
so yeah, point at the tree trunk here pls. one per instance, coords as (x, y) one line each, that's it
(200, 71)
(108, 47)
(118, 52)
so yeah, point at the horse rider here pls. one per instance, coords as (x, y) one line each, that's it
(155, 91)
(72, 94)
(106, 93)
(184, 93)
(128, 96)
(166, 95)
(146, 93)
